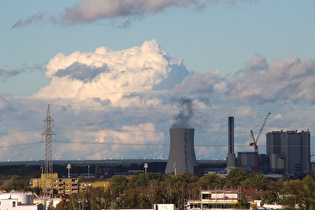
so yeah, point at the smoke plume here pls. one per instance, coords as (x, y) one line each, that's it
(183, 118)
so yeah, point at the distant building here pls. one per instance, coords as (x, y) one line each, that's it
(65, 186)
(289, 152)
(18, 200)
(246, 160)
(85, 185)
(215, 199)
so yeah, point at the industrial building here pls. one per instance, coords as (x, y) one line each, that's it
(182, 158)
(289, 151)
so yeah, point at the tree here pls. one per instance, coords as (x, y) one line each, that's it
(299, 193)
(235, 177)
(256, 180)
(118, 184)
(211, 181)
(269, 197)
(131, 197)
(62, 205)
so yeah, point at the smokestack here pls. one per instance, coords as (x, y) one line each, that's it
(230, 161)
(182, 158)
(231, 134)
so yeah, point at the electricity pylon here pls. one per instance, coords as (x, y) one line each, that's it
(48, 133)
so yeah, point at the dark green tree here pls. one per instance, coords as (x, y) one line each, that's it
(211, 181)
(118, 185)
(256, 180)
(235, 177)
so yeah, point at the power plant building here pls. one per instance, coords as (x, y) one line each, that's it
(289, 151)
(246, 160)
(182, 158)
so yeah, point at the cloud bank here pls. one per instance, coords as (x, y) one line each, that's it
(121, 104)
(289, 79)
(89, 11)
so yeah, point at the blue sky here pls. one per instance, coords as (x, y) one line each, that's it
(205, 37)
(217, 40)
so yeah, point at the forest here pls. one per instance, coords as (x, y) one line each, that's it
(142, 190)
(145, 189)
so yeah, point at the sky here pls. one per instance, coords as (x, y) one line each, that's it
(119, 74)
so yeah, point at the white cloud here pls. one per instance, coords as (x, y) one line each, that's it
(111, 75)
(283, 80)
(278, 116)
(118, 103)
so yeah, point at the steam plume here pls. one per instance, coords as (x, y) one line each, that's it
(183, 118)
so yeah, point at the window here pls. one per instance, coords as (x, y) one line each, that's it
(206, 196)
(13, 204)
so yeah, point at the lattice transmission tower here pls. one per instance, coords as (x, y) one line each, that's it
(48, 133)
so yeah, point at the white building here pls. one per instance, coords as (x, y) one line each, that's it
(215, 199)
(18, 200)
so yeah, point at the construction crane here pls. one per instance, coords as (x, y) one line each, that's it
(254, 141)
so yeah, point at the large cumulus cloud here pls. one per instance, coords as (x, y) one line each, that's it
(111, 75)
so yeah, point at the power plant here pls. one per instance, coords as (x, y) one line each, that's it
(182, 158)
(289, 152)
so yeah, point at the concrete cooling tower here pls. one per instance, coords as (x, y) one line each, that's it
(182, 158)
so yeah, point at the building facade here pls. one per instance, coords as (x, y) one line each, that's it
(84, 185)
(289, 151)
(215, 199)
(62, 186)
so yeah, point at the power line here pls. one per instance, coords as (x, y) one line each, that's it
(19, 131)
(20, 145)
(132, 144)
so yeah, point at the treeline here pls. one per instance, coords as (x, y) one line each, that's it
(144, 190)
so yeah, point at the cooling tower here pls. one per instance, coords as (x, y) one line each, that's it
(182, 158)
(230, 161)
